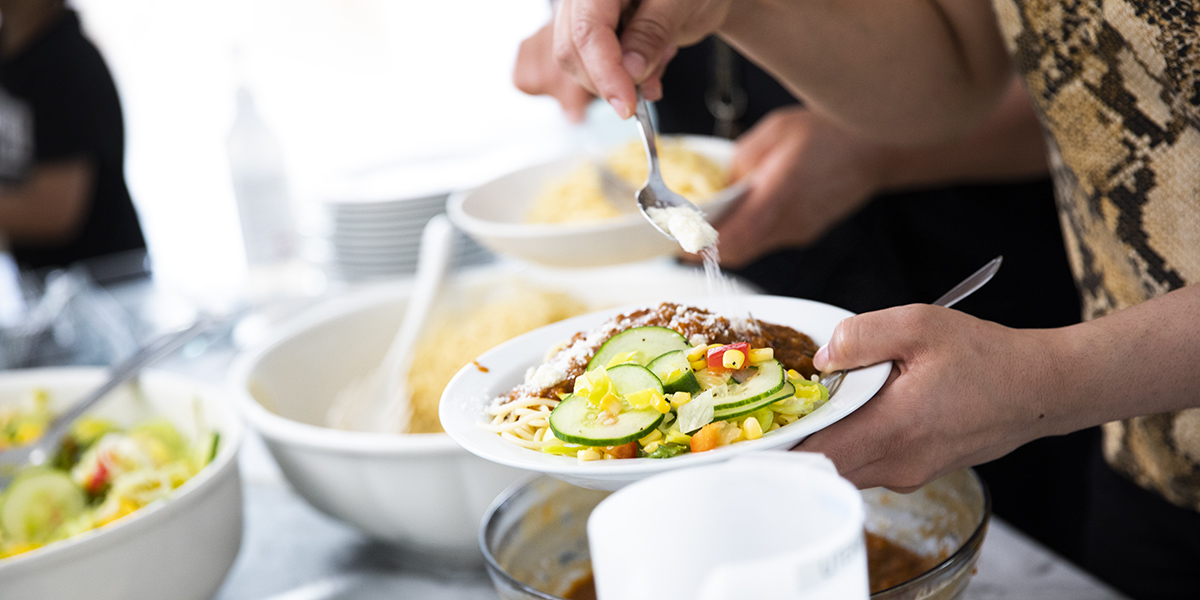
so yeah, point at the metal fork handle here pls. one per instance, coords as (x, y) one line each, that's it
(39, 451)
(966, 287)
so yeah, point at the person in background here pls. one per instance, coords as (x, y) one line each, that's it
(1115, 86)
(870, 226)
(63, 196)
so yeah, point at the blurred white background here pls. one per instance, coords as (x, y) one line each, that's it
(416, 95)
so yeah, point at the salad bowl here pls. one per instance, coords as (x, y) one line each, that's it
(473, 389)
(181, 546)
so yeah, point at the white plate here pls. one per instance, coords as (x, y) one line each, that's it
(471, 390)
(493, 214)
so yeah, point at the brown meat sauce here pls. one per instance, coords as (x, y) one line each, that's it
(792, 348)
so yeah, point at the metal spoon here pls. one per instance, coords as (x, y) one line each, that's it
(655, 196)
(40, 451)
(833, 381)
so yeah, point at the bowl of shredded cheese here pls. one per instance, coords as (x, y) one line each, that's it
(564, 214)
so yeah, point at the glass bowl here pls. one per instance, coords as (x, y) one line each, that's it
(534, 536)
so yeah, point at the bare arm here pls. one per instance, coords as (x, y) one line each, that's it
(902, 71)
(1008, 145)
(964, 391)
(50, 206)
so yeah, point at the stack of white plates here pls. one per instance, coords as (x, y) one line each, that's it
(376, 239)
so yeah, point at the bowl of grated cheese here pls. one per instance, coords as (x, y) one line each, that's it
(557, 214)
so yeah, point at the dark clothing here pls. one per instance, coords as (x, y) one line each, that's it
(76, 112)
(1136, 540)
(913, 247)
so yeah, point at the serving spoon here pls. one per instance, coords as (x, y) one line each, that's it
(833, 380)
(669, 212)
(40, 451)
(379, 402)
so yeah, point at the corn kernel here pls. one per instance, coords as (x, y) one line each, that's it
(794, 375)
(662, 405)
(697, 353)
(733, 359)
(589, 454)
(751, 428)
(699, 365)
(711, 346)
(623, 357)
(760, 355)
(680, 398)
(651, 447)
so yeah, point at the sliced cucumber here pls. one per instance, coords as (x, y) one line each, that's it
(38, 502)
(769, 379)
(576, 420)
(629, 378)
(646, 343)
(675, 373)
(745, 409)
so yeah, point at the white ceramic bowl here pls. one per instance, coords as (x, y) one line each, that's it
(471, 390)
(493, 214)
(180, 548)
(419, 492)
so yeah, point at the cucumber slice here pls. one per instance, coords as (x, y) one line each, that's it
(38, 502)
(675, 373)
(574, 420)
(647, 342)
(767, 381)
(629, 378)
(745, 409)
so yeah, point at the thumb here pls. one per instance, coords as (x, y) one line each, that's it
(868, 339)
(650, 37)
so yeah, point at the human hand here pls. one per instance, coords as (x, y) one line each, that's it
(536, 74)
(587, 47)
(962, 391)
(807, 174)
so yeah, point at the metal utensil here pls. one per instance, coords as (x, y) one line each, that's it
(42, 449)
(655, 193)
(833, 381)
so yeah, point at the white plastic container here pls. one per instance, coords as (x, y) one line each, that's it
(770, 525)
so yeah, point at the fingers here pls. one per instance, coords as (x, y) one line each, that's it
(536, 73)
(586, 45)
(875, 337)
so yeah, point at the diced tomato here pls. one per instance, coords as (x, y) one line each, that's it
(708, 437)
(717, 355)
(624, 450)
(99, 478)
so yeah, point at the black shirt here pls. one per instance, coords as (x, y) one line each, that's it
(63, 82)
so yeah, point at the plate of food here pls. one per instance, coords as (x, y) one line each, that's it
(557, 214)
(610, 397)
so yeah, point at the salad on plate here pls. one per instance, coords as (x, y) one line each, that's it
(661, 382)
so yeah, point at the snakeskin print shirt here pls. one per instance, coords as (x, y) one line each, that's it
(1117, 87)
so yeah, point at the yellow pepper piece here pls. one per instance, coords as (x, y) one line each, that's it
(623, 357)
